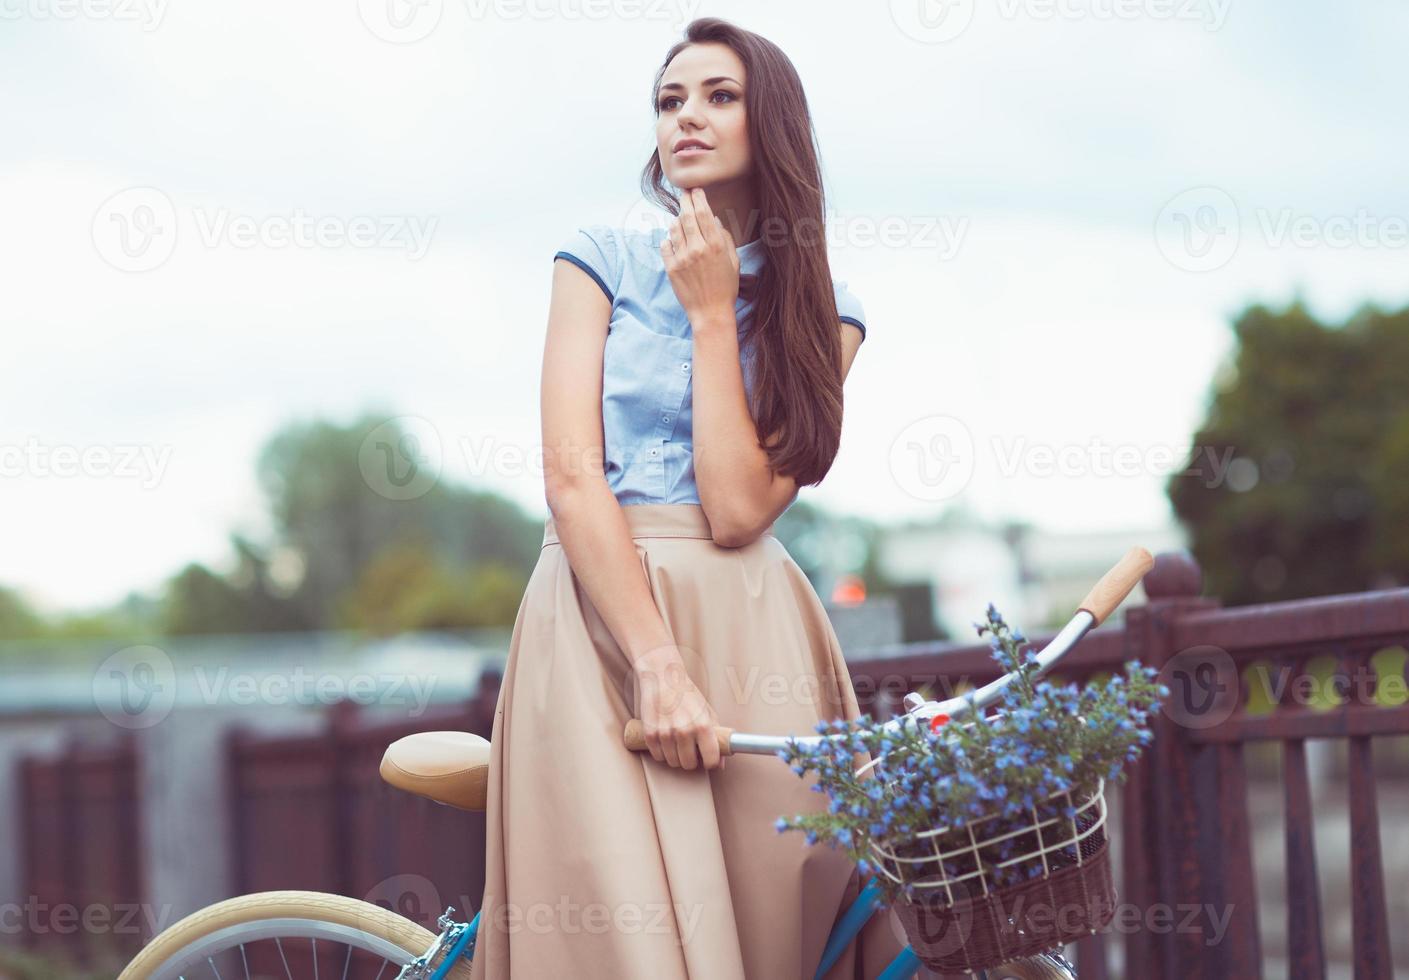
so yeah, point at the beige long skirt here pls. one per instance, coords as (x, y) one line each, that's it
(603, 863)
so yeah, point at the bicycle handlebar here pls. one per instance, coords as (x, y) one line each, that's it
(1116, 584)
(1100, 602)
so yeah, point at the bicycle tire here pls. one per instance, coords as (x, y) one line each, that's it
(304, 913)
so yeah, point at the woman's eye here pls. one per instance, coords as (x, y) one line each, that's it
(665, 103)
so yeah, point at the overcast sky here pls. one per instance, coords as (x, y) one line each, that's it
(219, 217)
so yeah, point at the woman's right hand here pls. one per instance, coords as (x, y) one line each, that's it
(677, 722)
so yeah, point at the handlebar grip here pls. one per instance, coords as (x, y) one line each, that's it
(1116, 584)
(635, 737)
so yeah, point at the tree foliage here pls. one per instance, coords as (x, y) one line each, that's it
(348, 554)
(1313, 501)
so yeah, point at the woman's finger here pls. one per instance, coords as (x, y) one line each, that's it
(689, 224)
(708, 744)
(685, 743)
(652, 739)
(670, 749)
(707, 223)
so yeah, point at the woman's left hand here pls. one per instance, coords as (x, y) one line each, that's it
(701, 260)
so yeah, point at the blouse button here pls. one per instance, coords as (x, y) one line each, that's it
(665, 418)
(654, 452)
(685, 366)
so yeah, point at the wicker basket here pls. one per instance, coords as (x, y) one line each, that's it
(961, 921)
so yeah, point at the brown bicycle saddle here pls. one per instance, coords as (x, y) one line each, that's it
(447, 767)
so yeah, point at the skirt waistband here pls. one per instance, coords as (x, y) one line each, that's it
(655, 521)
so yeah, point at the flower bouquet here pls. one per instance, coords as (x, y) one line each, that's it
(987, 835)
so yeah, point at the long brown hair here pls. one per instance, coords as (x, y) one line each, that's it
(794, 335)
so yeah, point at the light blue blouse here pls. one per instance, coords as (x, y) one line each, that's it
(646, 417)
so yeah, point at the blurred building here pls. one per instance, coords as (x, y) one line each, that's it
(1035, 577)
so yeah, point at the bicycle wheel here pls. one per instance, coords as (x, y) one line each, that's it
(285, 934)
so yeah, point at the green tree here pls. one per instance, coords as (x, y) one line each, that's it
(17, 620)
(1315, 422)
(340, 496)
(408, 587)
(199, 600)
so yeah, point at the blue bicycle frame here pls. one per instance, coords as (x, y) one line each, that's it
(460, 939)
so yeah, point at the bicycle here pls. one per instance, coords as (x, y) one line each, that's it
(451, 768)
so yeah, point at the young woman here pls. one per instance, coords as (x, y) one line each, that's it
(692, 382)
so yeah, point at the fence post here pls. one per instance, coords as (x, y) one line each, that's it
(481, 706)
(233, 746)
(479, 718)
(342, 721)
(1161, 820)
(133, 875)
(30, 873)
(70, 819)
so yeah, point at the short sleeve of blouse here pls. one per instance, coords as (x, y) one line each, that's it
(596, 251)
(849, 308)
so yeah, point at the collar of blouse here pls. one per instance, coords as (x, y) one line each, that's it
(750, 259)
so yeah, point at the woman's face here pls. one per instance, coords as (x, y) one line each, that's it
(701, 98)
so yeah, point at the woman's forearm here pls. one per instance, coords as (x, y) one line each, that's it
(732, 473)
(594, 534)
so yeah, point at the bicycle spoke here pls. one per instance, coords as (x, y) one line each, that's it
(245, 960)
(347, 962)
(287, 972)
(215, 968)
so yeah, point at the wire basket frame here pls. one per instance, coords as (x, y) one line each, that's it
(957, 921)
(929, 869)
